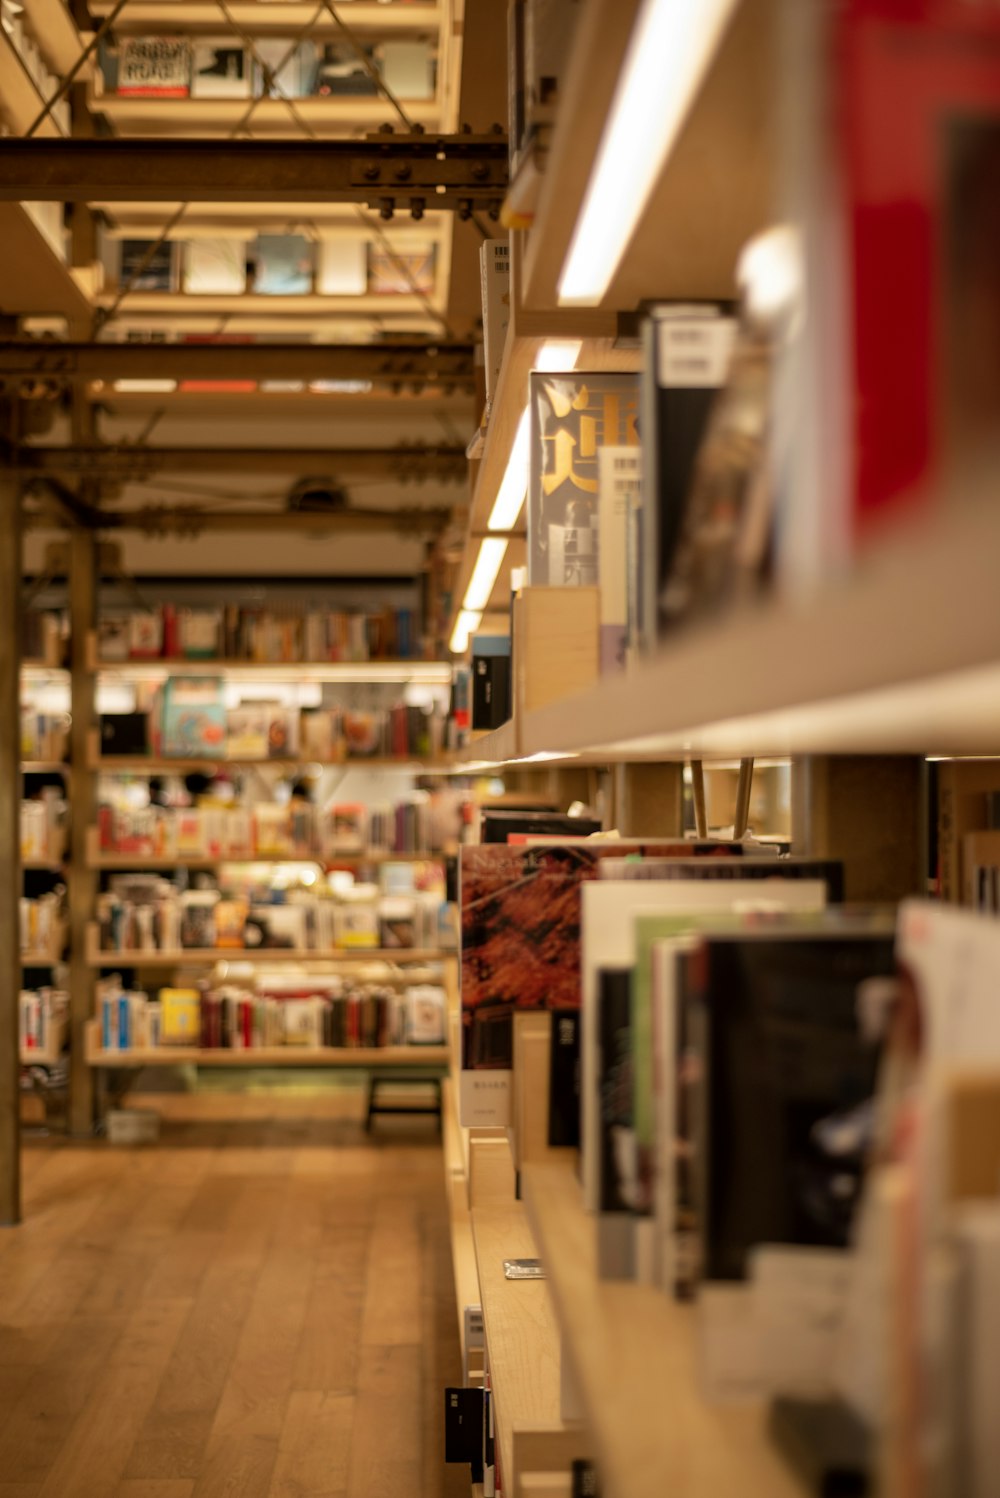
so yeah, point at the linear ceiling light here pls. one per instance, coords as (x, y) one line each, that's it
(464, 625)
(668, 53)
(484, 574)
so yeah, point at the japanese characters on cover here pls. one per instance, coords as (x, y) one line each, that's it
(572, 417)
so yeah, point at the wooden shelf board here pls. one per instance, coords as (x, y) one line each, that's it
(36, 282)
(334, 117)
(309, 305)
(634, 1355)
(110, 764)
(716, 188)
(428, 672)
(22, 99)
(522, 1334)
(47, 865)
(58, 38)
(121, 861)
(861, 666)
(39, 959)
(404, 1057)
(206, 956)
(265, 17)
(40, 1058)
(44, 767)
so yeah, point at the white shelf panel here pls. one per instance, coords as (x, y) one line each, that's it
(326, 116)
(868, 665)
(270, 17)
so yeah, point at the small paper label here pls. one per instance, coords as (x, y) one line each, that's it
(694, 353)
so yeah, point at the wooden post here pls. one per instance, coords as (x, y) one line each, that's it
(698, 791)
(82, 882)
(743, 788)
(868, 811)
(10, 842)
(650, 799)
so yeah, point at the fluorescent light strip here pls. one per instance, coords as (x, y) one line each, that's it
(668, 53)
(484, 574)
(558, 356)
(466, 622)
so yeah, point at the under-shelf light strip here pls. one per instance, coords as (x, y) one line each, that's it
(667, 57)
(556, 357)
(465, 624)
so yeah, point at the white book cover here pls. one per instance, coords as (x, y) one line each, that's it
(494, 260)
(220, 70)
(619, 487)
(215, 267)
(407, 69)
(342, 267)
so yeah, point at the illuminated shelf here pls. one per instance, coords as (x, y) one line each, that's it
(335, 117)
(44, 767)
(425, 673)
(49, 865)
(717, 187)
(406, 1057)
(862, 666)
(59, 40)
(634, 1357)
(22, 100)
(40, 959)
(144, 764)
(138, 863)
(264, 17)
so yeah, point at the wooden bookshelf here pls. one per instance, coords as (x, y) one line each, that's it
(44, 767)
(48, 865)
(522, 1338)
(22, 98)
(41, 959)
(634, 1356)
(142, 764)
(330, 116)
(59, 40)
(138, 863)
(399, 1056)
(427, 673)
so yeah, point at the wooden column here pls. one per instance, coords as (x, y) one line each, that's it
(649, 799)
(867, 810)
(82, 882)
(10, 843)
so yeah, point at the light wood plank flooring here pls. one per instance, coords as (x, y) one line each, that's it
(259, 1306)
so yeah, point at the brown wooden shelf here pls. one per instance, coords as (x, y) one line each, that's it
(403, 1057)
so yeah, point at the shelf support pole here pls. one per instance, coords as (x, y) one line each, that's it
(698, 793)
(10, 838)
(83, 567)
(741, 816)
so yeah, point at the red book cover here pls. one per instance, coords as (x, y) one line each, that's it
(916, 111)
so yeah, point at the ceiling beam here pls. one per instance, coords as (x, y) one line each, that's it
(389, 172)
(400, 362)
(133, 463)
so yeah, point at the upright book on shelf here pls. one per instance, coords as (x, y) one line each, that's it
(155, 65)
(572, 417)
(220, 70)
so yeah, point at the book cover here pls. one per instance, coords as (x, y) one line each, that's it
(409, 271)
(220, 70)
(619, 471)
(564, 1079)
(155, 65)
(283, 70)
(779, 1150)
(145, 268)
(246, 731)
(408, 69)
(340, 72)
(520, 949)
(494, 258)
(282, 265)
(180, 1016)
(193, 717)
(342, 267)
(617, 1182)
(572, 417)
(686, 352)
(215, 267)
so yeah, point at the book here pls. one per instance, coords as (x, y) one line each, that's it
(342, 267)
(144, 268)
(282, 265)
(215, 267)
(193, 717)
(283, 70)
(155, 65)
(246, 731)
(572, 417)
(608, 934)
(686, 350)
(776, 1157)
(564, 1079)
(494, 271)
(617, 1164)
(409, 271)
(180, 1016)
(220, 70)
(408, 69)
(340, 71)
(619, 493)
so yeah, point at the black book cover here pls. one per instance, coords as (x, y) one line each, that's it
(780, 1119)
(463, 1428)
(124, 733)
(615, 1237)
(564, 1079)
(826, 1443)
(685, 360)
(498, 825)
(490, 690)
(584, 1478)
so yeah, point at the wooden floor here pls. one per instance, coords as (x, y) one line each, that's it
(259, 1306)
